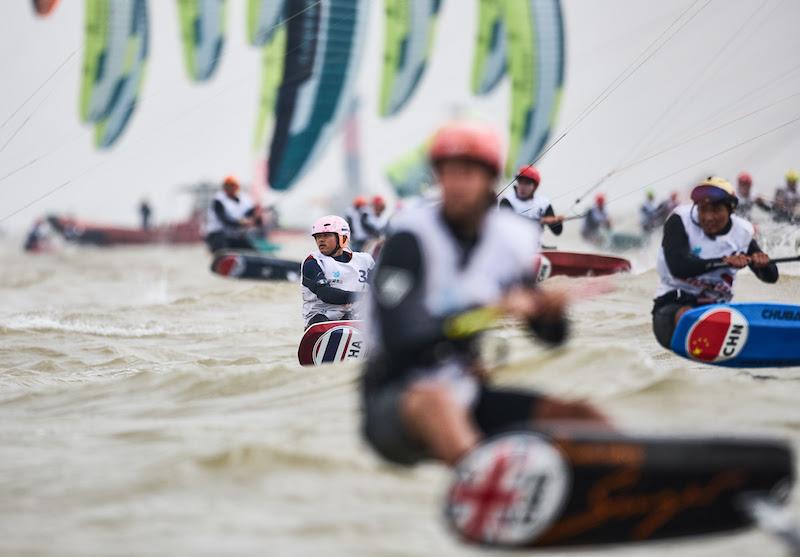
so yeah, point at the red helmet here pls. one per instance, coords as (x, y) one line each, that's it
(378, 201)
(744, 178)
(530, 172)
(473, 140)
(359, 201)
(600, 199)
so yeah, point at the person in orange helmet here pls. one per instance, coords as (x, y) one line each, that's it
(231, 216)
(376, 218)
(596, 220)
(424, 391)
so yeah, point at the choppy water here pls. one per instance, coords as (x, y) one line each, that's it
(150, 408)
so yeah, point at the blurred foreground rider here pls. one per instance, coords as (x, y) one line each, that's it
(334, 278)
(230, 217)
(694, 237)
(441, 272)
(525, 201)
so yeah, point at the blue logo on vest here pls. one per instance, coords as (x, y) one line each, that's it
(696, 250)
(336, 274)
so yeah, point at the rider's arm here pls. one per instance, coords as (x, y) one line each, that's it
(682, 263)
(766, 274)
(556, 228)
(314, 279)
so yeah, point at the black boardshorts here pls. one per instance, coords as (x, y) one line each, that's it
(494, 411)
(665, 308)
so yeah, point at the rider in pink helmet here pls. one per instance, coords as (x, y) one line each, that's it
(333, 276)
(334, 225)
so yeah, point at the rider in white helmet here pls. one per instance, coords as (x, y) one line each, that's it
(334, 276)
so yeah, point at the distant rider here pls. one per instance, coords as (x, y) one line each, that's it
(355, 216)
(787, 199)
(696, 237)
(648, 213)
(525, 200)
(334, 277)
(596, 220)
(376, 218)
(744, 185)
(230, 217)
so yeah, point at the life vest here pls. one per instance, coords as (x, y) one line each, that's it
(715, 285)
(504, 255)
(533, 208)
(236, 210)
(352, 276)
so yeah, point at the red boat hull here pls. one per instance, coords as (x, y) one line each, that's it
(73, 230)
(572, 264)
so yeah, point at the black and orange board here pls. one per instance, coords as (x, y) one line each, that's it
(527, 489)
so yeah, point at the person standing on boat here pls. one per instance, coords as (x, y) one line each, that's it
(787, 199)
(145, 212)
(596, 220)
(424, 389)
(648, 213)
(230, 217)
(334, 278)
(525, 201)
(355, 216)
(696, 238)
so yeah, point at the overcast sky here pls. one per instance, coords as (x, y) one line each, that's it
(729, 75)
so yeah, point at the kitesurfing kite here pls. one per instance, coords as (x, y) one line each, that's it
(115, 55)
(203, 35)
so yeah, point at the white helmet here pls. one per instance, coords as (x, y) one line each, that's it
(334, 224)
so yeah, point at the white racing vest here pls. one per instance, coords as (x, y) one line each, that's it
(533, 208)
(352, 276)
(716, 284)
(235, 211)
(506, 253)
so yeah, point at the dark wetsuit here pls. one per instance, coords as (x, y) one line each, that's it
(683, 264)
(414, 340)
(314, 279)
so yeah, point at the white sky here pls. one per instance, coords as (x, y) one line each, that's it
(732, 58)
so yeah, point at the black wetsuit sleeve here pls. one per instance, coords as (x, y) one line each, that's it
(766, 274)
(222, 215)
(556, 228)
(505, 204)
(314, 279)
(677, 253)
(398, 282)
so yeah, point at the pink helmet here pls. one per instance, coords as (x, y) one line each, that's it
(334, 224)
